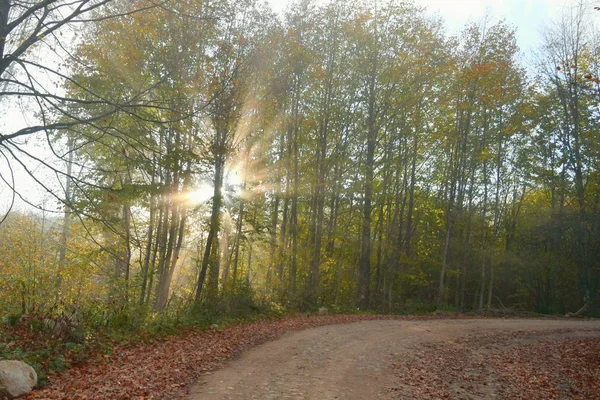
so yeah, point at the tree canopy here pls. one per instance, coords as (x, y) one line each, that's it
(213, 157)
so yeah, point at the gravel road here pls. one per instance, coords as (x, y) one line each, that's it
(352, 361)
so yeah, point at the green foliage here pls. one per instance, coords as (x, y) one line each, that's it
(417, 307)
(29, 340)
(11, 320)
(378, 163)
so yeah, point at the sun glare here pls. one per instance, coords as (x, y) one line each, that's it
(201, 195)
(234, 181)
(232, 187)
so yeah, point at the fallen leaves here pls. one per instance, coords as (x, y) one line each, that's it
(165, 370)
(518, 365)
(521, 365)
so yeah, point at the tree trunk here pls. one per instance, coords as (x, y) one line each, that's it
(484, 212)
(213, 231)
(148, 250)
(273, 243)
(62, 255)
(238, 241)
(364, 272)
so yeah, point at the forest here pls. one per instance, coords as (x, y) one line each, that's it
(204, 158)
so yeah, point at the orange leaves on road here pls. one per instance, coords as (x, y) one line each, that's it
(521, 365)
(165, 369)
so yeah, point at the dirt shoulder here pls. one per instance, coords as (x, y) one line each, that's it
(388, 360)
(165, 369)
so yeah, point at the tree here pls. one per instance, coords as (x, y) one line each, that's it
(230, 67)
(570, 54)
(34, 39)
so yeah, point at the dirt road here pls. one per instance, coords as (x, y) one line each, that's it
(354, 361)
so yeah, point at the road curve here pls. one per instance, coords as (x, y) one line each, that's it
(351, 361)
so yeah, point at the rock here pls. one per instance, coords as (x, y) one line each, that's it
(16, 379)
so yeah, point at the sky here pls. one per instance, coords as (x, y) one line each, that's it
(528, 16)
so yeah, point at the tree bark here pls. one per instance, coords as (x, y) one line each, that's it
(213, 231)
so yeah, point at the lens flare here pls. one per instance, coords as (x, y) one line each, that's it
(201, 195)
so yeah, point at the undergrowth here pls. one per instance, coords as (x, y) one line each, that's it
(31, 338)
(96, 333)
